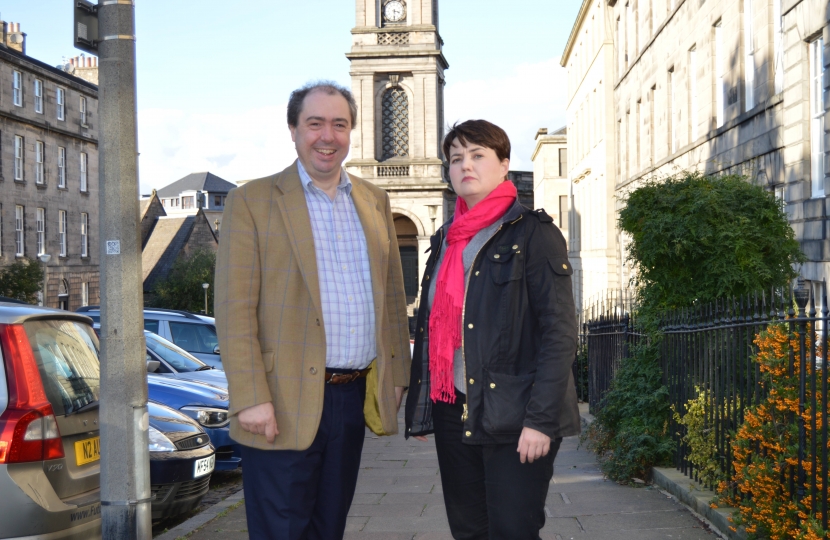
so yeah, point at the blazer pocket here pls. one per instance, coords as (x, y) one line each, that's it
(505, 402)
(268, 359)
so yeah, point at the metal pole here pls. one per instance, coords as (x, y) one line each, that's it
(125, 466)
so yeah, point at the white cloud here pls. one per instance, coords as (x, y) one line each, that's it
(529, 97)
(254, 143)
(234, 146)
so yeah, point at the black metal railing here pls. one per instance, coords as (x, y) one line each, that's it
(607, 331)
(711, 350)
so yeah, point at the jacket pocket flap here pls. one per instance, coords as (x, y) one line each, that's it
(505, 401)
(268, 358)
(561, 266)
(500, 256)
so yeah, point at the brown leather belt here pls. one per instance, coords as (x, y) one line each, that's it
(345, 378)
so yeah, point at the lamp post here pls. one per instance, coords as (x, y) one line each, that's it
(205, 286)
(433, 210)
(44, 258)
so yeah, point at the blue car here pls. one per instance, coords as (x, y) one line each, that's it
(206, 403)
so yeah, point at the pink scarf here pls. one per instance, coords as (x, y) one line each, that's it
(445, 317)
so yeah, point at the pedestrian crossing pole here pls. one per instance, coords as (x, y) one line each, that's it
(108, 30)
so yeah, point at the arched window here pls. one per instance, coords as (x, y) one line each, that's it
(395, 123)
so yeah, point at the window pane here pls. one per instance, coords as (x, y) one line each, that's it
(173, 355)
(67, 358)
(152, 326)
(198, 338)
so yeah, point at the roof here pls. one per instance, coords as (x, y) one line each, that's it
(201, 181)
(43, 65)
(561, 131)
(163, 246)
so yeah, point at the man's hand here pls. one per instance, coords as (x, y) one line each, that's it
(399, 396)
(532, 445)
(259, 420)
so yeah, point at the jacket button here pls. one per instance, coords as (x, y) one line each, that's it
(469, 434)
(515, 247)
(427, 276)
(422, 330)
(419, 381)
(492, 385)
(470, 326)
(313, 370)
(472, 381)
(497, 256)
(477, 272)
(565, 266)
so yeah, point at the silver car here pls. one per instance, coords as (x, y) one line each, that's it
(49, 444)
(192, 332)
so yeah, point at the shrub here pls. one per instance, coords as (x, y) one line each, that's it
(182, 288)
(22, 280)
(693, 239)
(766, 448)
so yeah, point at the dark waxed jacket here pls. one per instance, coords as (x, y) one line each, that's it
(519, 335)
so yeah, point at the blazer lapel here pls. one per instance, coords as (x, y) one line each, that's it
(294, 212)
(377, 239)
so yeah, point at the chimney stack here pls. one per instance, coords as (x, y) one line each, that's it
(86, 68)
(13, 38)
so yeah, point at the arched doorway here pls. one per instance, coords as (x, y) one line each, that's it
(63, 295)
(407, 234)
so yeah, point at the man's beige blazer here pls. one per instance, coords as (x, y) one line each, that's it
(268, 310)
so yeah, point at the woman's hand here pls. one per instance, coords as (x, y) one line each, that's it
(532, 445)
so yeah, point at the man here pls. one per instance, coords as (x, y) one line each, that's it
(309, 295)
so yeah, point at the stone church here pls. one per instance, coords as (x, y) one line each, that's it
(397, 71)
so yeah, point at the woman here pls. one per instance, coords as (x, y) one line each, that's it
(494, 345)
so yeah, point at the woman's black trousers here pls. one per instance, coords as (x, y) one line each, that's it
(488, 492)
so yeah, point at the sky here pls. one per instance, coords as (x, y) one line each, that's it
(214, 76)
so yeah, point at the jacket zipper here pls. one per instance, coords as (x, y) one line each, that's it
(464, 412)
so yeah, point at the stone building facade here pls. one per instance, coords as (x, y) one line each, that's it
(736, 86)
(593, 240)
(397, 71)
(551, 187)
(48, 172)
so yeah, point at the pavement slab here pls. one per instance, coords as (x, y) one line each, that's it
(399, 497)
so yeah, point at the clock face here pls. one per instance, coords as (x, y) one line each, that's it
(394, 11)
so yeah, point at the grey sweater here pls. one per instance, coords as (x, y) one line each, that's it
(469, 253)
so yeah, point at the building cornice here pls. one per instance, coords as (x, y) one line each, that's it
(398, 53)
(583, 10)
(48, 127)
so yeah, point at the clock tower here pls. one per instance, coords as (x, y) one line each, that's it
(397, 70)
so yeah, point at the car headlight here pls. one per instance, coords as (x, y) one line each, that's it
(159, 442)
(208, 417)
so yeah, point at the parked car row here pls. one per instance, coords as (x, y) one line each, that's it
(194, 333)
(49, 433)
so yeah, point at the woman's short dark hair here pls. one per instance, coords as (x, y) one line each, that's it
(295, 102)
(479, 132)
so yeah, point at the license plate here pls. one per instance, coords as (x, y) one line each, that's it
(87, 451)
(204, 466)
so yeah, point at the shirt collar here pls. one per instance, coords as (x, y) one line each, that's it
(345, 184)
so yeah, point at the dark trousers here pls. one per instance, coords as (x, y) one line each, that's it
(488, 492)
(306, 494)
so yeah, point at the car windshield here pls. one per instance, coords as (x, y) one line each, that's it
(66, 353)
(179, 359)
(199, 338)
